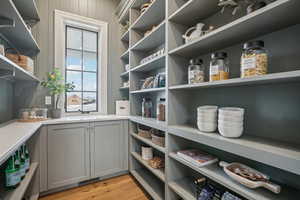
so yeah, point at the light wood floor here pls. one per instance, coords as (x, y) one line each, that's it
(123, 187)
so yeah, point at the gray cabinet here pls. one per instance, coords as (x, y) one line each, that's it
(68, 154)
(109, 152)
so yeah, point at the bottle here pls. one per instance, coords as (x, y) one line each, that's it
(26, 156)
(147, 107)
(196, 71)
(219, 69)
(21, 163)
(161, 110)
(254, 59)
(12, 176)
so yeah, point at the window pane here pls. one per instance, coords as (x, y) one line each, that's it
(89, 41)
(89, 101)
(74, 38)
(74, 101)
(89, 61)
(74, 59)
(89, 81)
(75, 78)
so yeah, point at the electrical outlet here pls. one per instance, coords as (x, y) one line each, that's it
(48, 100)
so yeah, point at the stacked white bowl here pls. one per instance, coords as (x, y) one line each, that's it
(231, 121)
(207, 118)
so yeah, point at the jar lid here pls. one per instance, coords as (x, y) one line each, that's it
(220, 55)
(162, 99)
(196, 61)
(254, 44)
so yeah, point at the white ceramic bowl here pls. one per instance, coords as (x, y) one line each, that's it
(230, 132)
(229, 118)
(207, 108)
(230, 124)
(207, 127)
(232, 111)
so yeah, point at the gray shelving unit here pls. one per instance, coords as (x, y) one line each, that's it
(276, 152)
(28, 10)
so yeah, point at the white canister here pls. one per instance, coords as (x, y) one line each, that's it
(147, 153)
(122, 108)
(2, 50)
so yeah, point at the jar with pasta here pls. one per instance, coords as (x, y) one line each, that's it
(219, 67)
(254, 59)
(196, 71)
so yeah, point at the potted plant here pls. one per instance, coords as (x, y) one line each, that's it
(56, 86)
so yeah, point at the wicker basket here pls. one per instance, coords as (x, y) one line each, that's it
(144, 133)
(158, 140)
(157, 163)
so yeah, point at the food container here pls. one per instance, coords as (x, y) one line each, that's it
(249, 177)
(254, 59)
(219, 67)
(23, 61)
(157, 163)
(196, 71)
(147, 107)
(161, 110)
(144, 132)
(2, 50)
(147, 153)
(158, 139)
(122, 108)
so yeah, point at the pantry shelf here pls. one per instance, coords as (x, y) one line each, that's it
(18, 193)
(124, 74)
(183, 188)
(124, 88)
(19, 36)
(125, 55)
(154, 39)
(149, 142)
(149, 182)
(20, 73)
(125, 36)
(265, 20)
(157, 172)
(151, 122)
(152, 16)
(148, 90)
(156, 63)
(27, 9)
(280, 155)
(216, 173)
(124, 17)
(193, 11)
(291, 76)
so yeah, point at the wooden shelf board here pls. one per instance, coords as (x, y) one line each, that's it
(149, 142)
(216, 173)
(148, 90)
(149, 182)
(154, 39)
(183, 188)
(19, 36)
(157, 172)
(263, 79)
(152, 16)
(272, 153)
(193, 11)
(265, 20)
(151, 122)
(155, 63)
(21, 74)
(28, 9)
(18, 193)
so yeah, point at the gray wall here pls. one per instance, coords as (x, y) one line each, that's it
(6, 97)
(44, 32)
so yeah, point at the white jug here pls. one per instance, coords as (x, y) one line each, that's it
(197, 31)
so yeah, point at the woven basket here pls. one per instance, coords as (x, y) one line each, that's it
(144, 133)
(158, 140)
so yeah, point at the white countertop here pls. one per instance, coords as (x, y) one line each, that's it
(13, 134)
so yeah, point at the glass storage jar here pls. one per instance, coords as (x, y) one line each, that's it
(161, 109)
(196, 71)
(219, 67)
(147, 107)
(254, 59)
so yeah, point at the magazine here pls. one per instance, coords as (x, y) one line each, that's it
(196, 157)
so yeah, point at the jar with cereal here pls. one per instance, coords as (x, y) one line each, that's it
(219, 67)
(196, 71)
(254, 59)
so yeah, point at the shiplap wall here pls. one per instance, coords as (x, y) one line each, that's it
(44, 33)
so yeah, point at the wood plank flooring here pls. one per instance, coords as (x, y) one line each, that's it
(123, 187)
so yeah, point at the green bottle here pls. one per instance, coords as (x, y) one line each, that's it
(27, 158)
(12, 174)
(22, 163)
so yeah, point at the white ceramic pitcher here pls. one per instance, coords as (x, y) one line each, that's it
(194, 32)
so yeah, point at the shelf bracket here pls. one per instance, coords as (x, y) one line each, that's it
(8, 74)
(6, 22)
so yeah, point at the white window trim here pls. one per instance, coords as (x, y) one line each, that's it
(61, 19)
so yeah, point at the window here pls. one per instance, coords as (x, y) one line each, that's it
(81, 69)
(81, 53)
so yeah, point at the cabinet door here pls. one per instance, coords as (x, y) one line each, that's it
(68, 154)
(109, 152)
